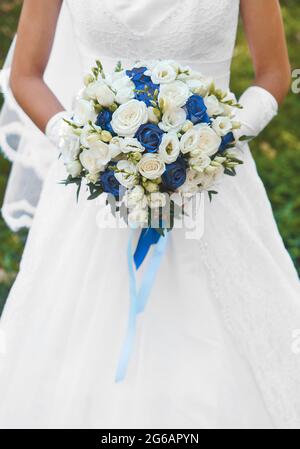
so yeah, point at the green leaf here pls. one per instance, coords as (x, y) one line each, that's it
(211, 194)
(246, 138)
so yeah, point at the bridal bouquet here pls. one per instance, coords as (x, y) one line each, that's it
(144, 133)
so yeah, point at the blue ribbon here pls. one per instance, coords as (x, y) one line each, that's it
(149, 236)
(139, 299)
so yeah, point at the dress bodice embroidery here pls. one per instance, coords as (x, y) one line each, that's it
(193, 31)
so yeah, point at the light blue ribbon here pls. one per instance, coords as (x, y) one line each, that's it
(138, 299)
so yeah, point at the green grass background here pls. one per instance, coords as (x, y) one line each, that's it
(277, 150)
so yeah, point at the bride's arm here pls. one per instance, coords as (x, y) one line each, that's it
(265, 34)
(34, 42)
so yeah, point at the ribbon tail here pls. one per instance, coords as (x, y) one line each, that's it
(131, 329)
(138, 300)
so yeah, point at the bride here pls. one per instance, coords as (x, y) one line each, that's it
(214, 350)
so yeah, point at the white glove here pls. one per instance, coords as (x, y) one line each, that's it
(259, 108)
(53, 128)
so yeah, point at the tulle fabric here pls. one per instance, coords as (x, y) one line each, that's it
(22, 143)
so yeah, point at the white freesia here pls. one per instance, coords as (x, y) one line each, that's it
(115, 147)
(197, 83)
(174, 95)
(100, 91)
(86, 132)
(89, 92)
(84, 112)
(169, 148)
(210, 177)
(136, 198)
(151, 166)
(157, 200)
(192, 183)
(123, 87)
(163, 72)
(74, 168)
(222, 126)
(105, 96)
(200, 163)
(152, 117)
(69, 146)
(213, 105)
(138, 217)
(127, 175)
(131, 145)
(173, 120)
(127, 119)
(209, 141)
(96, 157)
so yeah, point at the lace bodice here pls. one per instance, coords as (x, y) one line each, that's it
(199, 32)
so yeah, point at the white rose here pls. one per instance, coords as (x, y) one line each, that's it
(69, 146)
(222, 126)
(190, 141)
(169, 148)
(74, 168)
(115, 147)
(173, 120)
(157, 200)
(127, 176)
(131, 145)
(213, 105)
(95, 158)
(127, 119)
(174, 95)
(200, 163)
(84, 112)
(163, 72)
(151, 166)
(209, 141)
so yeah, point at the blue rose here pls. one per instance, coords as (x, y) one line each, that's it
(196, 110)
(150, 136)
(226, 141)
(104, 120)
(137, 75)
(110, 183)
(142, 81)
(175, 174)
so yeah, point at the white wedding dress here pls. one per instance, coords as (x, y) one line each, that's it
(214, 349)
